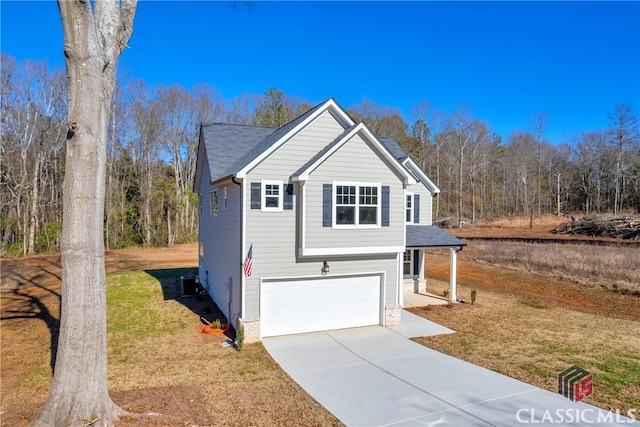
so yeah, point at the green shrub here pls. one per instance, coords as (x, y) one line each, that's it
(240, 337)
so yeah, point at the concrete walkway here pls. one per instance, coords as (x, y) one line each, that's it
(414, 299)
(375, 376)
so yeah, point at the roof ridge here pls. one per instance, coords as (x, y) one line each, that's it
(236, 124)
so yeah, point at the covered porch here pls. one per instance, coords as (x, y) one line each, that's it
(421, 238)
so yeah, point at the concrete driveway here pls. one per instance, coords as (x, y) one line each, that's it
(375, 376)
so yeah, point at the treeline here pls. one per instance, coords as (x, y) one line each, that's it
(153, 142)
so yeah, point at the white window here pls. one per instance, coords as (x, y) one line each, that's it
(407, 265)
(408, 216)
(272, 196)
(213, 207)
(357, 205)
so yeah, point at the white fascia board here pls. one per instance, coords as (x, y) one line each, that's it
(243, 249)
(422, 177)
(408, 179)
(382, 274)
(330, 104)
(366, 250)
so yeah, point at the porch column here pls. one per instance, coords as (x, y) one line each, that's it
(421, 282)
(453, 275)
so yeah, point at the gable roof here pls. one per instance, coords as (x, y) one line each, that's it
(230, 143)
(393, 146)
(239, 148)
(303, 173)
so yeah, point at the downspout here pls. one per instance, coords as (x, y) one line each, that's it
(242, 252)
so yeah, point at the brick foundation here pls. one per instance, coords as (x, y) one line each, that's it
(251, 329)
(392, 315)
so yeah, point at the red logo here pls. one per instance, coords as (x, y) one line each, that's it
(575, 383)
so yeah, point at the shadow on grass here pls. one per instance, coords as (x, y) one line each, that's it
(201, 304)
(27, 299)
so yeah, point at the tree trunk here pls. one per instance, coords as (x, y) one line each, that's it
(460, 164)
(169, 230)
(93, 41)
(33, 206)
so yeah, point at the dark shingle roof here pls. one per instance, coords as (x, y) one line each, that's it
(393, 146)
(231, 147)
(430, 236)
(226, 144)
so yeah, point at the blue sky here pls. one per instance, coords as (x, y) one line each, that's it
(504, 60)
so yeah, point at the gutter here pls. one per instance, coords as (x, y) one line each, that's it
(242, 252)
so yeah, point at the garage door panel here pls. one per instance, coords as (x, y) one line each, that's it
(298, 306)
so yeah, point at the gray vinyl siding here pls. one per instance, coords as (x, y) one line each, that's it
(294, 154)
(220, 235)
(426, 202)
(274, 235)
(354, 162)
(273, 260)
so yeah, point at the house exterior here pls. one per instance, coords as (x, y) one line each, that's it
(312, 226)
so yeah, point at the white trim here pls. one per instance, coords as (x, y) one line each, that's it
(215, 203)
(411, 260)
(408, 178)
(303, 219)
(381, 273)
(263, 196)
(406, 195)
(399, 279)
(329, 104)
(356, 216)
(243, 249)
(359, 250)
(422, 177)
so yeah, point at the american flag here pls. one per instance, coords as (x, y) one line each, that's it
(248, 263)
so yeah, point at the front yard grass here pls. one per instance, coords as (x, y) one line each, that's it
(155, 343)
(161, 367)
(534, 342)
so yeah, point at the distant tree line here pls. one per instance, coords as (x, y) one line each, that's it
(153, 147)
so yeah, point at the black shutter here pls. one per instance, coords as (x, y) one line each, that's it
(256, 195)
(416, 262)
(416, 208)
(384, 216)
(327, 204)
(287, 200)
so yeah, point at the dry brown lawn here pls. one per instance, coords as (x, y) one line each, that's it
(531, 327)
(525, 325)
(161, 367)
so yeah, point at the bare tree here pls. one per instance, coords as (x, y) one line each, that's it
(274, 109)
(95, 34)
(144, 146)
(539, 124)
(460, 130)
(32, 111)
(624, 133)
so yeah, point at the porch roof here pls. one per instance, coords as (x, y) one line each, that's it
(431, 236)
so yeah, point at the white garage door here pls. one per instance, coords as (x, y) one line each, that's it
(308, 305)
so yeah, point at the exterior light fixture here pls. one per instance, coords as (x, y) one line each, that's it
(325, 269)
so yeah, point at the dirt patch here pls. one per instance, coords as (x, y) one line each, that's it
(185, 379)
(536, 289)
(30, 309)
